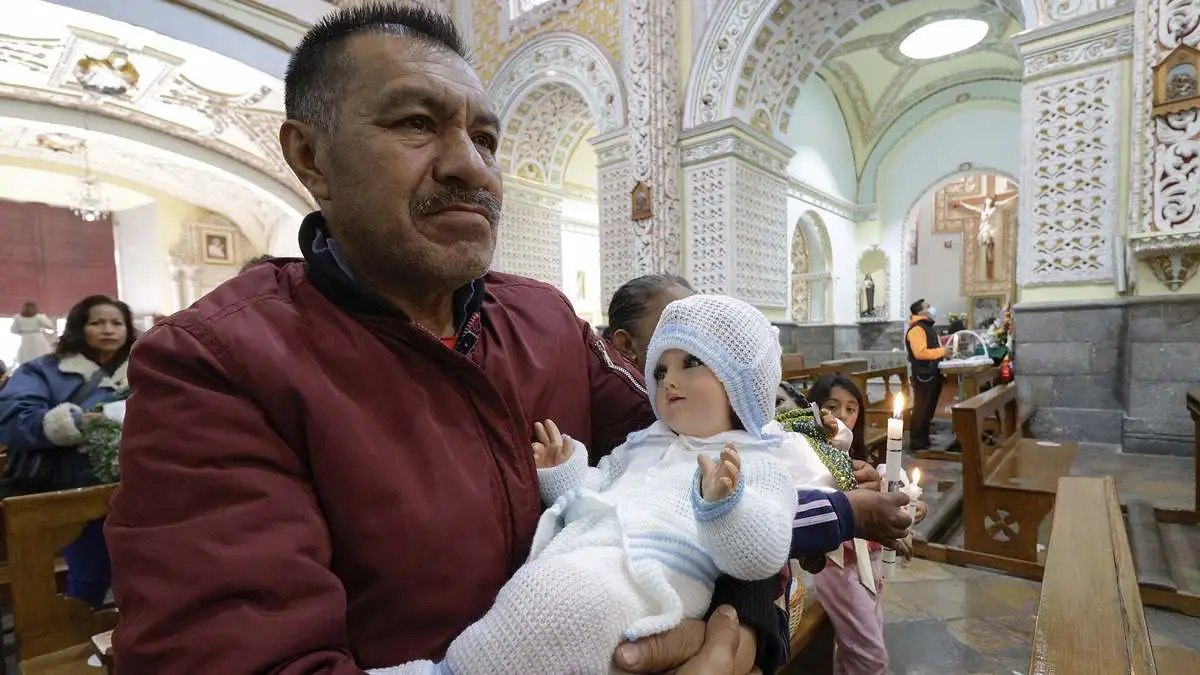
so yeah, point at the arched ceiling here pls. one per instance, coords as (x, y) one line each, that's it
(876, 85)
(542, 131)
(73, 59)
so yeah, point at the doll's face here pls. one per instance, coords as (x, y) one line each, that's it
(689, 397)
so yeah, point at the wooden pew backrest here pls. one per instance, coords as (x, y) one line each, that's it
(895, 381)
(791, 362)
(804, 377)
(38, 527)
(1090, 617)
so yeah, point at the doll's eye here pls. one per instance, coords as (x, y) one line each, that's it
(659, 373)
(692, 362)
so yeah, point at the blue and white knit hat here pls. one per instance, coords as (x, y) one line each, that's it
(734, 340)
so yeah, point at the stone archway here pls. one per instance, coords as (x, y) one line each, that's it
(551, 94)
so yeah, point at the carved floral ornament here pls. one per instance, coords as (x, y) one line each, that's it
(1167, 203)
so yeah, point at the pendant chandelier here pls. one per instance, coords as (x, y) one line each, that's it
(90, 205)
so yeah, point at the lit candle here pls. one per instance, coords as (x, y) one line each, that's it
(895, 443)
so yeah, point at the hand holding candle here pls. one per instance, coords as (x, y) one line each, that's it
(895, 443)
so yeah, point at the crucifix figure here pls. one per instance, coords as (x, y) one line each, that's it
(987, 207)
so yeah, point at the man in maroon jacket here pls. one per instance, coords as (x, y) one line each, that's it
(326, 463)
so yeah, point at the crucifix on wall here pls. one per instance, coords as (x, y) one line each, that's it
(988, 207)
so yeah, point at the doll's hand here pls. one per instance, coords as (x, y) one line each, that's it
(89, 416)
(550, 448)
(922, 511)
(829, 421)
(717, 481)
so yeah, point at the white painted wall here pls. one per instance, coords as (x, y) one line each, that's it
(937, 277)
(985, 136)
(824, 159)
(143, 277)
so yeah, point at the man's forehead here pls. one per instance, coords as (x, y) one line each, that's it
(383, 56)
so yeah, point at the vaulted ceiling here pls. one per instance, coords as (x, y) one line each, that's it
(876, 84)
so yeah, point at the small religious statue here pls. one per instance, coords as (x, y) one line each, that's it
(869, 289)
(988, 215)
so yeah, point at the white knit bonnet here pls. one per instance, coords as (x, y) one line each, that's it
(735, 341)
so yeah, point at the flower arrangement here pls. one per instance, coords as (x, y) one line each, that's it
(102, 441)
(956, 316)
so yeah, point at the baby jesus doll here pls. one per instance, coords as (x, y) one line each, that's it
(635, 545)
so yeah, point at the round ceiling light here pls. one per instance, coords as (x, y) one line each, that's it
(942, 38)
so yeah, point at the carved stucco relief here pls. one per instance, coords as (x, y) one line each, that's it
(530, 238)
(1070, 144)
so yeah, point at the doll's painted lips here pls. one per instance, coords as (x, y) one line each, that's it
(673, 398)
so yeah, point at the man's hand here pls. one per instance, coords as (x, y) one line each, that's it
(866, 476)
(550, 448)
(693, 648)
(905, 547)
(879, 516)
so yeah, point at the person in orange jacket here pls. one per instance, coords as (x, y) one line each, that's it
(924, 354)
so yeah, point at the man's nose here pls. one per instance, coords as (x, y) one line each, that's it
(462, 162)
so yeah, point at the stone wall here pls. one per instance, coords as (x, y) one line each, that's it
(880, 337)
(814, 342)
(1112, 371)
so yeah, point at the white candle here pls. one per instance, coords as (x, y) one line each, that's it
(895, 436)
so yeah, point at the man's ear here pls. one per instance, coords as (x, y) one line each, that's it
(623, 341)
(299, 142)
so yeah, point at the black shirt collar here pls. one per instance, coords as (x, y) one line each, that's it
(327, 270)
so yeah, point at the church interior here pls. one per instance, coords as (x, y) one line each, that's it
(1029, 168)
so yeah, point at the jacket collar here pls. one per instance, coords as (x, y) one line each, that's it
(328, 271)
(78, 364)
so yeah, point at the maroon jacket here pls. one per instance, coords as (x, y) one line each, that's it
(313, 484)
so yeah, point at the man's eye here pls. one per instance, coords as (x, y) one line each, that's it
(486, 141)
(417, 123)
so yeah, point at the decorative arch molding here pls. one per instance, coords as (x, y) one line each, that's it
(756, 54)
(812, 262)
(940, 106)
(566, 59)
(260, 206)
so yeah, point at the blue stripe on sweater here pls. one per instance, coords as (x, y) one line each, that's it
(690, 554)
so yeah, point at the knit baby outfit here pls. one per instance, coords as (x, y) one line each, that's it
(629, 548)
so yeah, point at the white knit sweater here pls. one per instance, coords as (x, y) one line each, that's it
(629, 549)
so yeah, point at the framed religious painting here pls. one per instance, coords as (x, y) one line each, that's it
(640, 202)
(216, 247)
(1177, 81)
(983, 308)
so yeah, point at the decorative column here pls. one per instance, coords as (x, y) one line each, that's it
(1071, 119)
(651, 65)
(735, 210)
(530, 239)
(614, 182)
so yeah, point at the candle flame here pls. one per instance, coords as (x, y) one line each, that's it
(916, 476)
(897, 405)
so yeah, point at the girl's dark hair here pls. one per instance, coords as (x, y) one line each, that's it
(29, 308)
(822, 391)
(73, 340)
(628, 304)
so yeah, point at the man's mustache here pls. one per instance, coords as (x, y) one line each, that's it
(458, 195)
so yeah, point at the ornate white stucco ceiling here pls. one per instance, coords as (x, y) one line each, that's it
(542, 131)
(45, 185)
(875, 84)
(55, 55)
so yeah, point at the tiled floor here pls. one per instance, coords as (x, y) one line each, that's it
(945, 620)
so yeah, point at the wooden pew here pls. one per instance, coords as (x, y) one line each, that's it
(878, 411)
(1193, 405)
(791, 362)
(1008, 481)
(1090, 617)
(804, 377)
(53, 632)
(847, 367)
